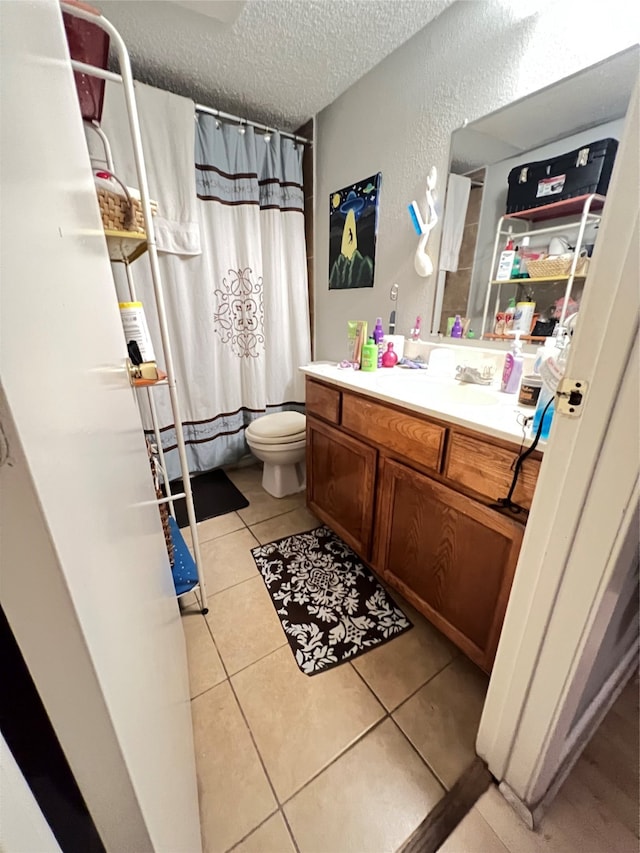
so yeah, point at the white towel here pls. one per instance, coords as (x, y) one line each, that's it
(167, 125)
(455, 211)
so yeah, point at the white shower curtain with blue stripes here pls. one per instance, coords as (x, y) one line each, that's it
(238, 313)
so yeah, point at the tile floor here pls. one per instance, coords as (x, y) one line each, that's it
(595, 811)
(349, 760)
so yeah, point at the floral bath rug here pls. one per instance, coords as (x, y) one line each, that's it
(330, 605)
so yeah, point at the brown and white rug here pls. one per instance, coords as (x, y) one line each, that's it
(330, 605)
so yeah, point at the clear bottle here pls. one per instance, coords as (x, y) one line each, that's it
(524, 255)
(509, 314)
(552, 370)
(515, 269)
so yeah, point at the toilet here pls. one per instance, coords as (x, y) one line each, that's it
(279, 442)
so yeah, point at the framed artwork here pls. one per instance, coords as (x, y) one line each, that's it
(353, 225)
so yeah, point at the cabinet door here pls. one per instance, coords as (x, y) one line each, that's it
(452, 557)
(340, 477)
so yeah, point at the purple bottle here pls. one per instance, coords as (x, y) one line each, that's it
(378, 338)
(456, 329)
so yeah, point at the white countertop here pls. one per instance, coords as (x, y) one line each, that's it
(481, 408)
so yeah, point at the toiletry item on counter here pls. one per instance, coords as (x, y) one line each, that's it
(523, 318)
(551, 371)
(499, 326)
(392, 323)
(530, 390)
(378, 335)
(357, 335)
(509, 314)
(134, 323)
(505, 264)
(456, 329)
(513, 363)
(369, 356)
(412, 364)
(415, 332)
(389, 359)
(398, 344)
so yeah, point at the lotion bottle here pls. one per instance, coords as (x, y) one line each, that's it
(513, 363)
(369, 356)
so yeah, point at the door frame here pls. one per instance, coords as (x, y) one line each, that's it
(583, 509)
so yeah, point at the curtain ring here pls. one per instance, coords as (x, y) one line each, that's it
(267, 136)
(241, 127)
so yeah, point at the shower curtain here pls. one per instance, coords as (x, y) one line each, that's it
(238, 313)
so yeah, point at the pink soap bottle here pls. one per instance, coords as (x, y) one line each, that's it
(389, 358)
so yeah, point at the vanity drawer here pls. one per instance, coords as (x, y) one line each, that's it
(410, 437)
(486, 468)
(322, 401)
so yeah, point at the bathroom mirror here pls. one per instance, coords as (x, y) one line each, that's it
(580, 109)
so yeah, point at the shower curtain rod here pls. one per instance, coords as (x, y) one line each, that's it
(244, 121)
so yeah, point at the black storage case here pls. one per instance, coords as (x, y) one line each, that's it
(580, 172)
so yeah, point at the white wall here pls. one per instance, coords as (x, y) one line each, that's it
(473, 59)
(86, 585)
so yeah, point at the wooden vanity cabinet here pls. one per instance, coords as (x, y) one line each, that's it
(452, 557)
(341, 474)
(413, 497)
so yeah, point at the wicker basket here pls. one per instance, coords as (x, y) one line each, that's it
(548, 267)
(118, 213)
(121, 212)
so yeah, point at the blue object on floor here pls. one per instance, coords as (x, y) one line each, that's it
(185, 574)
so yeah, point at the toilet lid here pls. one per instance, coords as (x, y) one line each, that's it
(280, 425)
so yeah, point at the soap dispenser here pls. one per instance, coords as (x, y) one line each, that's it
(513, 362)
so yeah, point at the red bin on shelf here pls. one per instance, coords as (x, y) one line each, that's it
(89, 44)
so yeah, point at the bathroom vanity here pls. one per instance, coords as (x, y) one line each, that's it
(408, 471)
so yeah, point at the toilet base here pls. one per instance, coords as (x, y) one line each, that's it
(283, 480)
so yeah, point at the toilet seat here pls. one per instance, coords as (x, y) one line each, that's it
(280, 428)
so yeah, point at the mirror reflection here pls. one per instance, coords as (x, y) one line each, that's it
(526, 187)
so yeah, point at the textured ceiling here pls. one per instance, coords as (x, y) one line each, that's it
(280, 62)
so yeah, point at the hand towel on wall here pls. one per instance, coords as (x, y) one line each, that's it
(167, 125)
(455, 212)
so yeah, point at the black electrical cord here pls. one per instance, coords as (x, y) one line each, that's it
(507, 503)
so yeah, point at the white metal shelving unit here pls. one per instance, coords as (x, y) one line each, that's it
(570, 207)
(126, 247)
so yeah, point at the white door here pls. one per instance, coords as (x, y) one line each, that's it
(580, 546)
(86, 584)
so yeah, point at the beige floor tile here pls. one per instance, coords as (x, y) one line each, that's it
(398, 668)
(228, 561)
(212, 528)
(561, 831)
(262, 505)
(473, 835)
(297, 521)
(442, 718)
(272, 837)
(233, 790)
(245, 624)
(301, 723)
(205, 666)
(370, 800)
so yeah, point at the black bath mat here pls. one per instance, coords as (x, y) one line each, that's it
(213, 494)
(330, 605)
